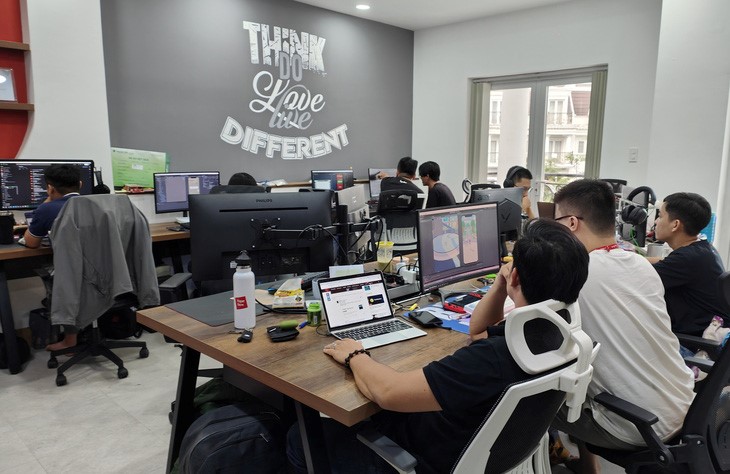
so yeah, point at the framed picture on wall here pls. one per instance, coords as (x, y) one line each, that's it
(7, 86)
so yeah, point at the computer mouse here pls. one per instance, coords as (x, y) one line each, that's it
(245, 336)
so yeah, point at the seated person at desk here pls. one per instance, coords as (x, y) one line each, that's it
(405, 174)
(444, 403)
(242, 179)
(690, 273)
(622, 307)
(62, 183)
(520, 177)
(439, 194)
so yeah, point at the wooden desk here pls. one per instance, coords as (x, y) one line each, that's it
(297, 369)
(13, 252)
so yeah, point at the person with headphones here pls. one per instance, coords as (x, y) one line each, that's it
(622, 307)
(690, 273)
(520, 177)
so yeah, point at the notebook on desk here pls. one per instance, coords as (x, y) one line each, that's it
(357, 307)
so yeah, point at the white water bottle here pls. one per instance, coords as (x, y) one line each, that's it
(244, 298)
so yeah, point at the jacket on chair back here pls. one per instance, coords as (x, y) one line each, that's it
(101, 249)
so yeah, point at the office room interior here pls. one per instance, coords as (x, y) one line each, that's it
(180, 76)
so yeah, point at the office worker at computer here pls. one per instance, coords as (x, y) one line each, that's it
(622, 307)
(520, 177)
(405, 174)
(690, 273)
(444, 403)
(439, 194)
(62, 183)
(242, 179)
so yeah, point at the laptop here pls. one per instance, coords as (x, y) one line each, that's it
(357, 307)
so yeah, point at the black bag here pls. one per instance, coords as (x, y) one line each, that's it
(23, 351)
(120, 323)
(244, 437)
(41, 331)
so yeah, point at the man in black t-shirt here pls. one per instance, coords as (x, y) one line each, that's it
(439, 194)
(403, 180)
(444, 403)
(690, 273)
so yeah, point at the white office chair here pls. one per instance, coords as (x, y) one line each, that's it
(547, 342)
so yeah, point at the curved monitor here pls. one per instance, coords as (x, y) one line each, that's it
(457, 243)
(24, 185)
(271, 227)
(510, 205)
(173, 189)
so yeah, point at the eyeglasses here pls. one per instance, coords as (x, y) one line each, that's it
(568, 215)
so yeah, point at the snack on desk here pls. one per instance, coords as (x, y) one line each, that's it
(289, 295)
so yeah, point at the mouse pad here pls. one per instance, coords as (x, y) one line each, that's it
(213, 310)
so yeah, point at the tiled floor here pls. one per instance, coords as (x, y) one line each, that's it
(97, 423)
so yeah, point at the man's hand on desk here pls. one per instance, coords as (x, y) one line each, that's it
(339, 350)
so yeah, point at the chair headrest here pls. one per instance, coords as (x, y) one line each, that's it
(546, 335)
(399, 200)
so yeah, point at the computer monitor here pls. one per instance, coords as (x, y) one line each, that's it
(173, 189)
(375, 181)
(352, 208)
(24, 186)
(457, 243)
(282, 233)
(334, 180)
(510, 205)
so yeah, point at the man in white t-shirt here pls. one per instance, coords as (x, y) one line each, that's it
(622, 307)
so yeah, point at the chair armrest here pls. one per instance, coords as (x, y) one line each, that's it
(642, 419)
(175, 281)
(386, 448)
(696, 343)
(174, 288)
(705, 365)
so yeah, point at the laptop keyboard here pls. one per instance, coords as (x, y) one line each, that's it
(373, 330)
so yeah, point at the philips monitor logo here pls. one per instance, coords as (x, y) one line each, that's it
(265, 200)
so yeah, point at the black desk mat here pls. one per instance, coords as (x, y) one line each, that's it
(213, 310)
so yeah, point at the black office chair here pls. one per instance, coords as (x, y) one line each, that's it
(702, 445)
(236, 189)
(616, 184)
(398, 210)
(547, 342)
(92, 279)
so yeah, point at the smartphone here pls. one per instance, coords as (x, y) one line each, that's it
(425, 319)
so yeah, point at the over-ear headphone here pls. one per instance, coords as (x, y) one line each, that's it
(509, 179)
(635, 214)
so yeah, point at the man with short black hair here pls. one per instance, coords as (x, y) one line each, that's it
(439, 194)
(403, 180)
(520, 177)
(622, 307)
(62, 183)
(242, 179)
(443, 404)
(690, 273)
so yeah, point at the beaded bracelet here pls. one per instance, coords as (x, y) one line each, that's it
(353, 354)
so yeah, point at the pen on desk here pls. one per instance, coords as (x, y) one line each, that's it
(302, 324)
(413, 306)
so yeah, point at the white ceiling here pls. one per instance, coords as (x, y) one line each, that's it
(418, 14)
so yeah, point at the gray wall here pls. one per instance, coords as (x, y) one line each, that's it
(176, 69)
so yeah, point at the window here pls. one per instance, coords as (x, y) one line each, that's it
(547, 122)
(493, 152)
(494, 112)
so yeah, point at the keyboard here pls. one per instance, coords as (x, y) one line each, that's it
(308, 279)
(373, 330)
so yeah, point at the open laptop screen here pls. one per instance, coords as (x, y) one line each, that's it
(354, 299)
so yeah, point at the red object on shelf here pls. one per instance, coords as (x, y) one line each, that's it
(13, 123)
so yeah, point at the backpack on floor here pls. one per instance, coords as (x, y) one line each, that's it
(243, 437)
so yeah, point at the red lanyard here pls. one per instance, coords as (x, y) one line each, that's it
(607, 248)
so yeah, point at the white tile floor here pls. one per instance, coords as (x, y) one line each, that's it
(97, 423)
